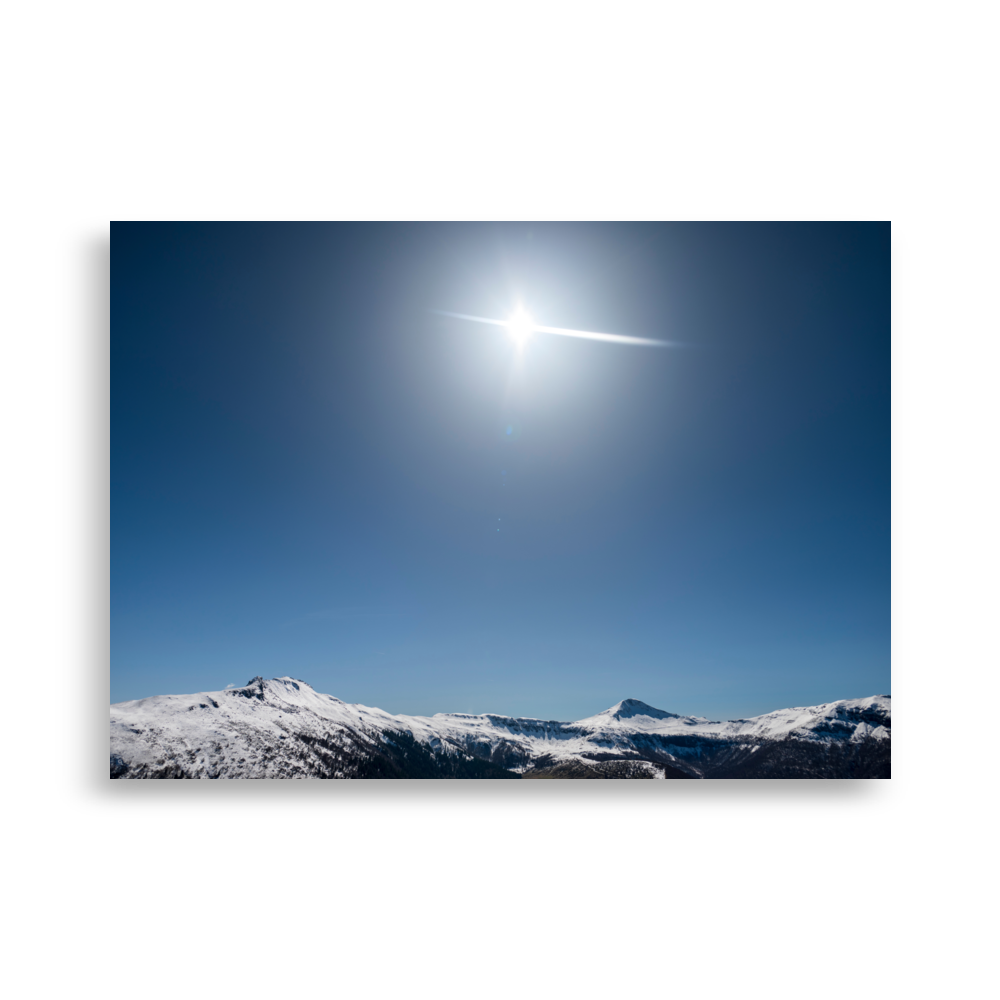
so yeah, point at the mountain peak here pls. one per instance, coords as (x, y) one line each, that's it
(280, 687)
(259, 682)
(631, 707)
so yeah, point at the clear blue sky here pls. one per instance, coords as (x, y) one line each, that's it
(309, 466)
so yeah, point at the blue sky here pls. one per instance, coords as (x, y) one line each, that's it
(310, 465)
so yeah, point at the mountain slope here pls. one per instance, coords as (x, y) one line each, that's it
(282, 728)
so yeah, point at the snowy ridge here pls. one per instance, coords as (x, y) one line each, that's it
(284, 728)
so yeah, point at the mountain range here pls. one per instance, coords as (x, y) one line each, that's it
(282, 728)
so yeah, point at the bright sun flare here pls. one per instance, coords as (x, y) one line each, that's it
(520, 326)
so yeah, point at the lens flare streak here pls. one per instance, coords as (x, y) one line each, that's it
(613, 338)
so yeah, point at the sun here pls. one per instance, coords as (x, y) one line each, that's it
(520, 327)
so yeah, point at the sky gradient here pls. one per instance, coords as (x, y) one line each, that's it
(310, 464)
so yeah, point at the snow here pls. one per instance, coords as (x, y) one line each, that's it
(233, 733)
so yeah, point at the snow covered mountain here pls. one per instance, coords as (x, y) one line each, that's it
(282, 728)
